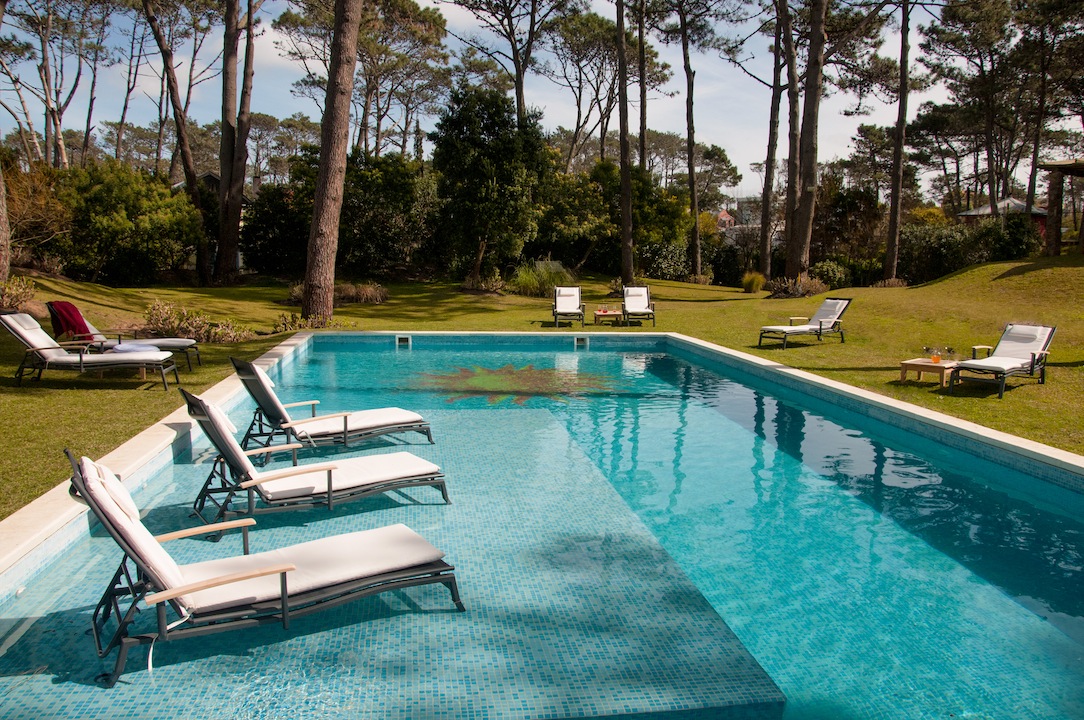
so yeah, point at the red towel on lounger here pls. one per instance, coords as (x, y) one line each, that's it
(67, 320)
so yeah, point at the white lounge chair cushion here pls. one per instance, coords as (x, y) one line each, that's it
(29, 332)
(107, 360)
(829, 311)
(109, 494)
(358, 421)
(349, 474)
(320, 563)
(567, 300)
(995, 364)
(636, 300)
(794, 329)
(154, 343)
(1020, 341)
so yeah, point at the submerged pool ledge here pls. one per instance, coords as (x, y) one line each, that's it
(33, 536)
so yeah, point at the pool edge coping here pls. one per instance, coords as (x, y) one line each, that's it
(27, 529)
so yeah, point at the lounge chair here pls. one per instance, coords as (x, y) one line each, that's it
(1021, 351)
(567, 305)
(637, 304)
(242, 590)
(826, 321)
(299, 486)
(69, 322)
(44, 353)
(272, 419)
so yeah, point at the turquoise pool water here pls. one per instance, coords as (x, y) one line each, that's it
(616, 513)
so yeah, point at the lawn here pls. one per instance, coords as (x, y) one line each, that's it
(883, 325)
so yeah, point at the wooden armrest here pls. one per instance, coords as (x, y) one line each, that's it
(975, 350)
(205, 529)
(799, 318)
(302, 421)
(289, 472)
(273, 449)
(301, 402)
(158, 597)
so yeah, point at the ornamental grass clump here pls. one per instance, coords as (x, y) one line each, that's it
(345, 293)
(294, 322)
(539, 279)
(794, 287)
(16, 292)
(752, 282)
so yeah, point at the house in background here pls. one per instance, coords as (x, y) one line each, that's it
(1008, 206)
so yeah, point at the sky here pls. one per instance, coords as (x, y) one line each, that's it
(731, 109)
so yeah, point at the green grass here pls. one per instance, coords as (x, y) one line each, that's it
(884, 326)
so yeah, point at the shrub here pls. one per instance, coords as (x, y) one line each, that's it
(752, 282)
(16, 292)
(538, 279)
(1018, 238)
(704, 279)
(929, 252)
(127, 226)
(490, 282)
(294, 322)
(831, 273)
(662, 259)
(166, 319)
(893, 283)
(794, 287)
(344, 293)
(617, 287)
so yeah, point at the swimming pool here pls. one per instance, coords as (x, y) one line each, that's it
(873, 574)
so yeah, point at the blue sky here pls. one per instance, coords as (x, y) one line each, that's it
(731, 109)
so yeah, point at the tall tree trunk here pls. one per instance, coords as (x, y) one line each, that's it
(5, 226)
(790, 209)
(895, 212)
(233, 155)
(690, 146)
(765, 243)
(317, 301)
(1040, 122)
(180, 120)
(641, 59)
(798, 254)
(623, 145)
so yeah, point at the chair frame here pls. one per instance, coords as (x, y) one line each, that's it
(89, 360)
(627, 315)
(833, 328)
(266, 426)
(103, 341)
(559, 315)
(134, 582)
(226, 481)
(998, 377)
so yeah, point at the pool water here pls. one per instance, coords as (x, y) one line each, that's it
(619, 514)
(871, 574)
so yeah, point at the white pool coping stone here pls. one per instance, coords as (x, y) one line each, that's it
(26, 535)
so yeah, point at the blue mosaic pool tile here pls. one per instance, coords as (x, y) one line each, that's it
(573, 609)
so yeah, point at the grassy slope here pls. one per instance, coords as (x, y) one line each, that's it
(884, 326)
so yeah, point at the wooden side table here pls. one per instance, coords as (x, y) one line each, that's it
(925, 365)
(614, 316)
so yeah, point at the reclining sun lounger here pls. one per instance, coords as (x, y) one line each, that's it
(69, 321)
(827, 320)
(326, 483)
(243, 590)
(636, 304)
(1021, 351)
(567, 305)
(272, 419)
(44, 353)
